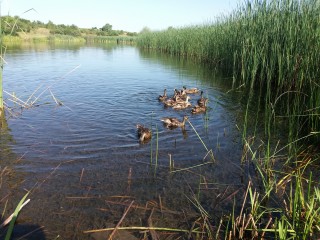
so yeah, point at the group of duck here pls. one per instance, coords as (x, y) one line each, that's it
(179, 101)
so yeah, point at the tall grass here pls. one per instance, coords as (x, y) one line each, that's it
(110, 39)
(272, 49)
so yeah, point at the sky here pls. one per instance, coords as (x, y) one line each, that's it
(127, 15)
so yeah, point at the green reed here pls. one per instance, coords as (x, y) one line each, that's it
(157, 151)
(110, 39)
(271, 48)
(15, 215)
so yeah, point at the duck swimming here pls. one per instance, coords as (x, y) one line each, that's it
(164, 96)
(174, 122)
(144, 133)
(202, 101)
(190, 90)
(198, 109)
(182, 105)
(171, 102)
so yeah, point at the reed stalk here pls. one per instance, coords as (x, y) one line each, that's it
(157, 151)
(1, 70)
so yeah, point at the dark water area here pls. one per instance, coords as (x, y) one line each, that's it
(82, 160)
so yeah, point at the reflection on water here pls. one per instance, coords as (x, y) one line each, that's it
(83, 161)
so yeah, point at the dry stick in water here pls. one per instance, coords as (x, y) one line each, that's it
(154, 235)
(22, 103)
(82, 171)
(34, 92)
(237, 223)
(124, 215)
(129, 180)
(54, 98)
(54, 83)
(208, 151)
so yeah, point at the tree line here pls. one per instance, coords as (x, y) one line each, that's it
(13, 25)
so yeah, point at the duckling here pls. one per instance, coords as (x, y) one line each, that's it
(202, 101)
(164, 96)
(144, 133)
(174, 122)
(190, 90)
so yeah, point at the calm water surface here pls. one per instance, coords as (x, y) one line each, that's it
(83, 161)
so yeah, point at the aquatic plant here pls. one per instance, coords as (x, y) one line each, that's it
(110, 39)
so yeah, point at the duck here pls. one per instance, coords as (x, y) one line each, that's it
(198, 109)
(190, 90)
(171, 122)
(182, 92)
(144, 133)
(164, 96)
(171, 102)
(202, 101)
(182, 97)
(182, 105)
(183, 100)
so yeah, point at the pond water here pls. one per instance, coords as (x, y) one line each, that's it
(82, 159)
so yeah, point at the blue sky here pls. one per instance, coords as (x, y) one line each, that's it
(128, 15)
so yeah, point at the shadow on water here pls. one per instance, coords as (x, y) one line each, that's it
(207, 76)
(25, 232)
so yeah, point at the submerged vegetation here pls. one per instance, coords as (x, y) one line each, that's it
(271, 48)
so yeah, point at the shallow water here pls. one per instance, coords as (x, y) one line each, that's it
(82, 161)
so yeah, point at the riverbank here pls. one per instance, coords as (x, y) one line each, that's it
(44, 35)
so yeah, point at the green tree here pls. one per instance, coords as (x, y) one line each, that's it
(107, 27)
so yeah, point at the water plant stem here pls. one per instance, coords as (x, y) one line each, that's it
(1, 70)
(15, 215)
(157, 151)
(208, 151)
